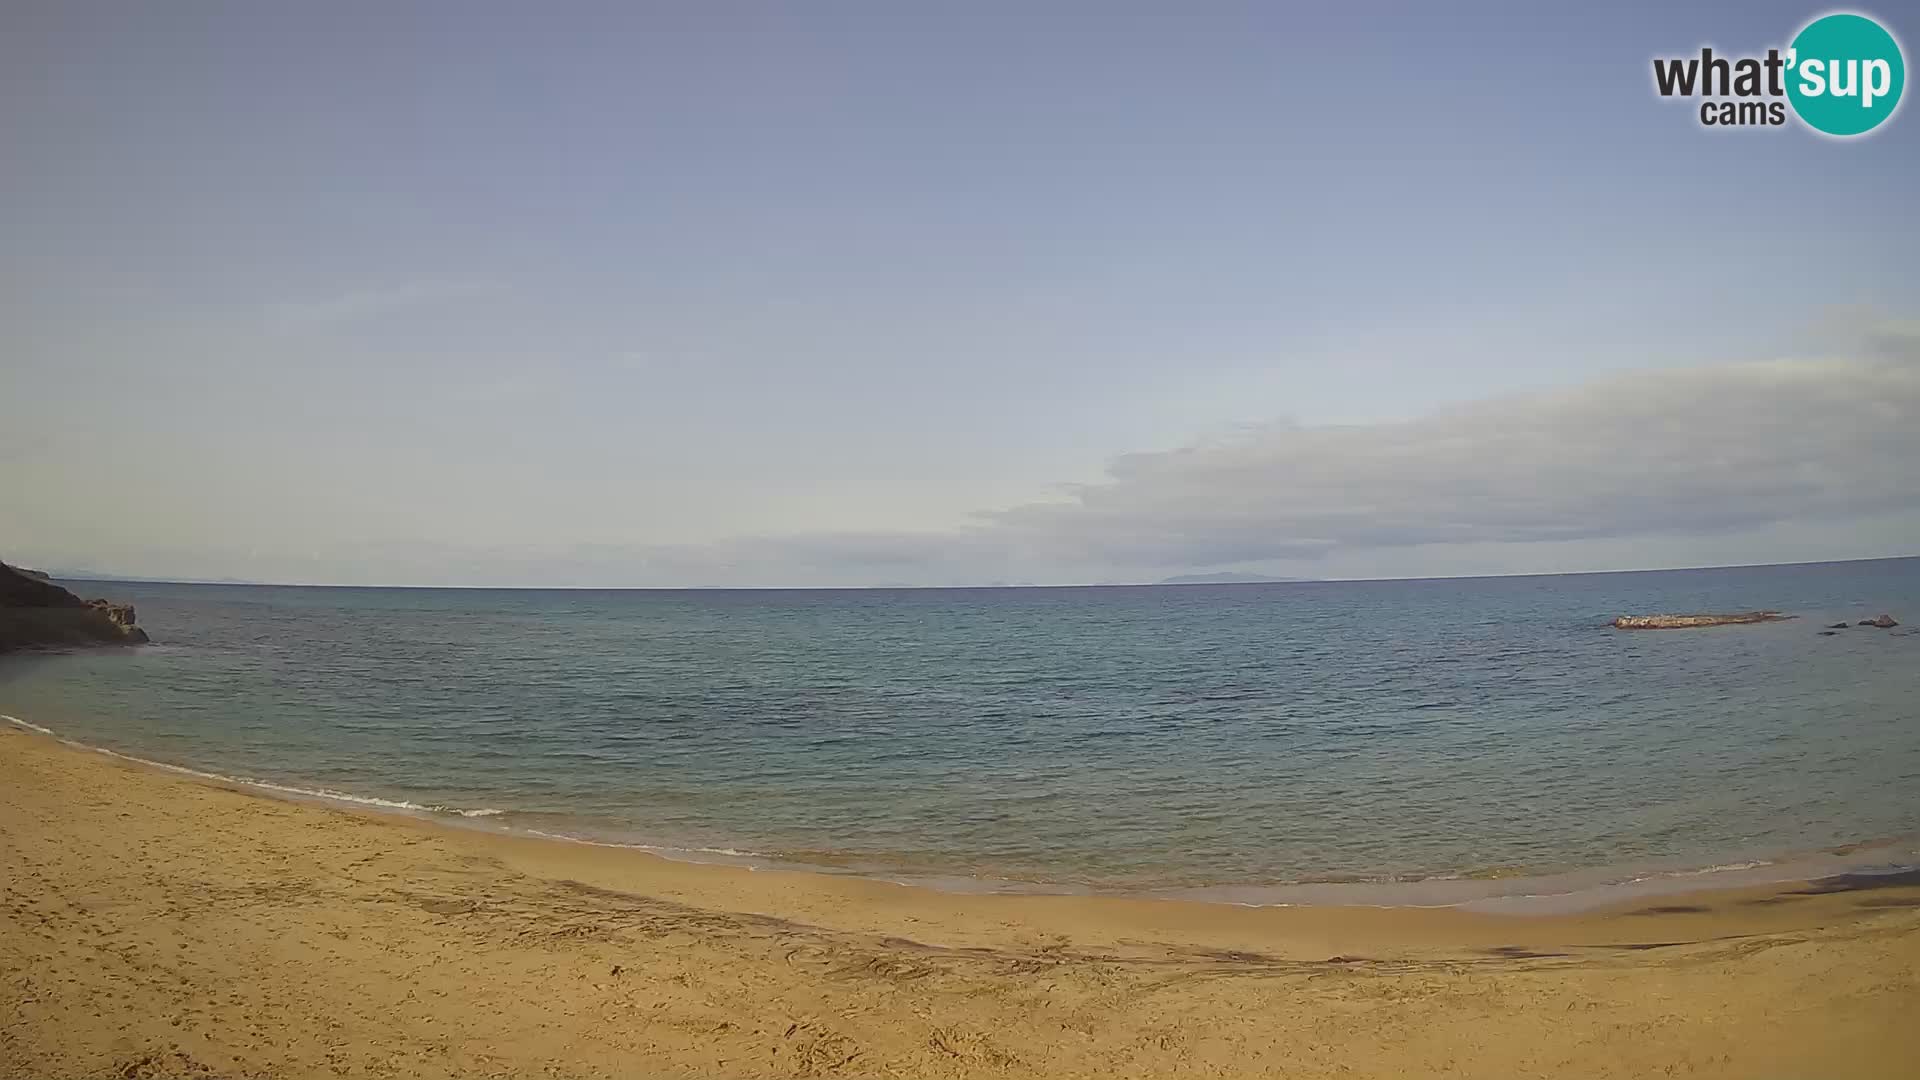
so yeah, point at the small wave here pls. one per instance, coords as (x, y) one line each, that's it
(1725, 867)
(1720, 868)
(665, 850)
(29, 727)
(266, 785)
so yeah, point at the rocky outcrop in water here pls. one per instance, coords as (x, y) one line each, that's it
(1884, 622)
(37, 614)
(1687, 622)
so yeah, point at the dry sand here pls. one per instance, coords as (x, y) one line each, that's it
(156, 925)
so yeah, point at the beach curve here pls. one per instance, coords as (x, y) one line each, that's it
(161, 924)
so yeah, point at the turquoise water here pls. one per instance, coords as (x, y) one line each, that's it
(1103, 738)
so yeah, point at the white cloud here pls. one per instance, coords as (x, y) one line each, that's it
(1696, 451)
(1756, 450)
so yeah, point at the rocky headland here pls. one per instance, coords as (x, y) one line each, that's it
(37, 614)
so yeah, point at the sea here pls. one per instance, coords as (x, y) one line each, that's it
(1479, 741)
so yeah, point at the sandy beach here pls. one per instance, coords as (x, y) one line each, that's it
(152, 924)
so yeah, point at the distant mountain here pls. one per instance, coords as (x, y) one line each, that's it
(65, 574)
(1226, 577)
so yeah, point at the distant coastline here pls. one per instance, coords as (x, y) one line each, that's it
(135, 579)
(1229, 577)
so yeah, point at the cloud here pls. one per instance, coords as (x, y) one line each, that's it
(1695, 451)
(1752, 461)
(1700, 452)
(360, 305)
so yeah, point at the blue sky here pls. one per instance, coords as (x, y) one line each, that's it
(750, 294)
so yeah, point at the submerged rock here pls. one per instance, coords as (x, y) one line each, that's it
(1686, 622)
(1837, 626)
(1884, 622)
(1829, 633)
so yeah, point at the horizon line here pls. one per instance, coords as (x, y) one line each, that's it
(152, 580)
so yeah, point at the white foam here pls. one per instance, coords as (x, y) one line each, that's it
(29, 727)
(267, 785)
(690, 854)
(685, 854)
(1722, 869)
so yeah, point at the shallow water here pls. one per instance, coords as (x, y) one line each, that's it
(1220, 738)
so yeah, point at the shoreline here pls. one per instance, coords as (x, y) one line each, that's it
(626, 865)
(1589, 888)
(154, 924)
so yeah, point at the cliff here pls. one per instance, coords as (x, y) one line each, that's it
(37, 614)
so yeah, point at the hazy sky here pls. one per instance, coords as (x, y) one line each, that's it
(661, 294)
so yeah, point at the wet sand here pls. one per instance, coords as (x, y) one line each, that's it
(156, 925)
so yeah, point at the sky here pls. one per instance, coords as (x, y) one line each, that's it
(926, 294)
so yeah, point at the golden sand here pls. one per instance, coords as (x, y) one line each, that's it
(156, 925)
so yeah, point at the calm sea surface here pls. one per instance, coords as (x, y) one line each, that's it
(1106, 738)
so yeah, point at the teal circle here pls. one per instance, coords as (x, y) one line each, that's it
(1849, 52)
